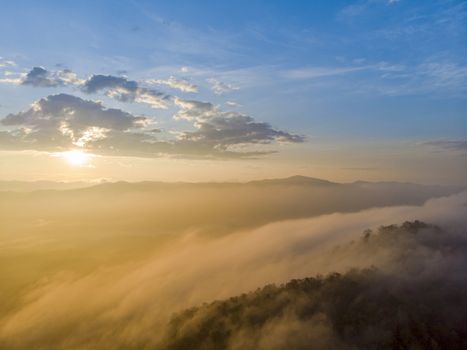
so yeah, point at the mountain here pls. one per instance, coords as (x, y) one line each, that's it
(296, 180)
(210, 207)
(27, 186)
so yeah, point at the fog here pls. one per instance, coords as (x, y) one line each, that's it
(77, 276)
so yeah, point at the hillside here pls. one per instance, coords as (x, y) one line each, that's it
(403, 304)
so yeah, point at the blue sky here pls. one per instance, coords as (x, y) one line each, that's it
(326, 70)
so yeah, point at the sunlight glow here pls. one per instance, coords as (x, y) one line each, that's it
(75, 157)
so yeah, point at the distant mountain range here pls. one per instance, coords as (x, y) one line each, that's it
(215, 207)
(297, 180)
(26, 186)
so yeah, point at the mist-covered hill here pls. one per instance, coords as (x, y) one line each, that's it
(417, 299)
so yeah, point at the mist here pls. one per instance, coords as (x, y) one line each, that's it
(126, 300)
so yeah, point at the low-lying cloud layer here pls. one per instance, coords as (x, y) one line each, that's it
(398, 305)
(129, 305)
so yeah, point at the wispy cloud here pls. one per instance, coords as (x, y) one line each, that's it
(433, 76)
(6, 63)
(220, 87)
(361, 7)
(11, 81)
(318, 72)
(174, 83)
(457, 146)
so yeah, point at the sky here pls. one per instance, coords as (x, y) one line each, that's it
(231, 91)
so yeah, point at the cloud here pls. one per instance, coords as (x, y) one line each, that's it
(13, 81)
(11, 77)
(318, 72)
(361, 7)
(59, 122)
(219, 87)
(232, 104)
(6, 63)
(353, 10)
(443, 75)
(125, 90)
(449, 145)
(119, 88)
(174, 83)
(63, 121)
(222, 129)
(40, 77)
(229, 128)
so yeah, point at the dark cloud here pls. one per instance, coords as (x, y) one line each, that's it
(125, 90)
(236, 129)
(119, 88)
(104, 82)
(40, 77)
(221, 129)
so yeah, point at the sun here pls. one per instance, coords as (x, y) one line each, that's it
(75, 157)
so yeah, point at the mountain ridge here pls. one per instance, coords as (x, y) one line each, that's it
(295, 180)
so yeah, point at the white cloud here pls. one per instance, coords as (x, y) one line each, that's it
(233, 104)
(6, 63)
(219, 87)
(12, 81)
(174, 83)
